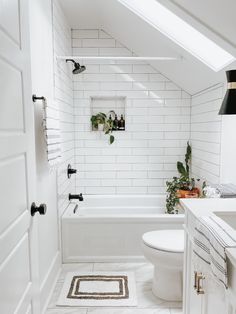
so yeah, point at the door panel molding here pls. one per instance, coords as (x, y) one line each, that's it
(19, 275)
(10, 20)
(24, 303)
(15, 276)
(10, 237)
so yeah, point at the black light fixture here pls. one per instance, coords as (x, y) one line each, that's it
(229, 103)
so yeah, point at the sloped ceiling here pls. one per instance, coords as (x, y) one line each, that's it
(211, 17)
(218, 15)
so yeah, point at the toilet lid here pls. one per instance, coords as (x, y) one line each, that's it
(165, 240)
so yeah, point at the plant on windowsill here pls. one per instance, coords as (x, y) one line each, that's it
(182, 186)
(100, 122)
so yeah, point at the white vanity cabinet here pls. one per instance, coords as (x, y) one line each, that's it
(192, 302)
(202, 293)
(215, 299)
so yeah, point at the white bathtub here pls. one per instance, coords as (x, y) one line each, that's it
(110, 227)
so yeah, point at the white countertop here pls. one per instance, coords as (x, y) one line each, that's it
(206, 207)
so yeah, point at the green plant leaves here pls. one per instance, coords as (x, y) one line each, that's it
(112, 138)
(181, 169)
(94, 122)
(101, 118)
(183, 182)
(108, 126)
(188, 157)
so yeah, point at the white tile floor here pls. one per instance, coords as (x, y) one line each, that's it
(147, 303)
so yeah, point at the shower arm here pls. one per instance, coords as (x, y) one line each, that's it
(70, 60)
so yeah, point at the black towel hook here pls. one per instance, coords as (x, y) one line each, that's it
(35, 98)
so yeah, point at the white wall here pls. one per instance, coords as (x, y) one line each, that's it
(63, 96)
(206, 127)
(157, 122)
(212, 138)
(51, 36)
(228, 150)
(42, 85)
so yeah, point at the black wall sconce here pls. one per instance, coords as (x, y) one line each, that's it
(229, 103)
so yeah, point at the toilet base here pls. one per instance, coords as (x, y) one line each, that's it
(167, 283)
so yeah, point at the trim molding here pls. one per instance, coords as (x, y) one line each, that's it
(49, 282)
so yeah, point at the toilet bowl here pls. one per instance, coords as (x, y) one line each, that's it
(164, 249)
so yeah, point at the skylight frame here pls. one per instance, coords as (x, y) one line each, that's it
(140, 8)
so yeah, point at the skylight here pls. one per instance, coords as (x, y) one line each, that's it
(181, 33)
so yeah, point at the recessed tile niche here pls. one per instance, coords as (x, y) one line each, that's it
(106, 104)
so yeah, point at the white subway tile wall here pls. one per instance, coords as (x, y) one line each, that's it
(63, 95)
(206, 134)
(158, 119)
(157, 122)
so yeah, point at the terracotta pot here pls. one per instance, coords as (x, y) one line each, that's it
(100, 127)
(194, 193)
(191, 195)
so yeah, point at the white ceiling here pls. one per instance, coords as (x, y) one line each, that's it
(212, 17)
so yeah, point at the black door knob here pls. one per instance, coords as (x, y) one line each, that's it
(42, 209)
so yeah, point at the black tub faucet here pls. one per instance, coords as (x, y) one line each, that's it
(76, 197)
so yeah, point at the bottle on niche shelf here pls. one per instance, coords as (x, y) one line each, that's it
(110, 121)
(122, 123)
(115, 123)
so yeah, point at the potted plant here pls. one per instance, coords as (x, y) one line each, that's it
(101, 123)
(182, 186)
(98, 121)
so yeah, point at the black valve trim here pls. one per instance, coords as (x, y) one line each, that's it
(70, 171)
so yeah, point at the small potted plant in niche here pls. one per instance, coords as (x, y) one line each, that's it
(101, 123)
(182, 186)
(98, 121)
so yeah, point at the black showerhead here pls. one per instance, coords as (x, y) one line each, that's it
(78, 68)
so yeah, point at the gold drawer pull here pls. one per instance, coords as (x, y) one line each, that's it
(197, 282)
(199, 285)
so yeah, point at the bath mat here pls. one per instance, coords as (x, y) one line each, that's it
(98, 289)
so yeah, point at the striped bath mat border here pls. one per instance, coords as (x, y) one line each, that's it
(98, 289)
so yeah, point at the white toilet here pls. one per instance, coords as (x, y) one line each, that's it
(164, 249)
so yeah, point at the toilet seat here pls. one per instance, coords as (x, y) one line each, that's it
(165, 240)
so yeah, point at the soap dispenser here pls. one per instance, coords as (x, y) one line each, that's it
(115, 123)
(122, 123)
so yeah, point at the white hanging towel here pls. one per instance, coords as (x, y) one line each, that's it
(212, 237)
(51, 126)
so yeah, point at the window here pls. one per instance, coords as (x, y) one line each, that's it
(180, 32)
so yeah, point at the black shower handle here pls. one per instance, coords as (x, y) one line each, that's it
(70, 171)
(42, 209)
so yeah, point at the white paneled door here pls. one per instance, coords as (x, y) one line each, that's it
(18, 242)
